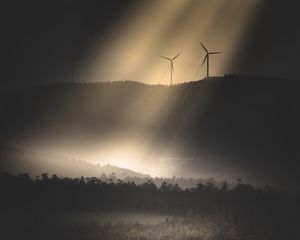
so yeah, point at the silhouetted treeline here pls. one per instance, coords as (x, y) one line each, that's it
(254, 209)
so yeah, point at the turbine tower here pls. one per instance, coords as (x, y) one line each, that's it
(206, 58)
(172, 65)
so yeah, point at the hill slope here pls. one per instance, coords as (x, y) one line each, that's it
(22, 160)
(237, 124)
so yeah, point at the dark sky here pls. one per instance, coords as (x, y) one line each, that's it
(39, 38)
(271, 47)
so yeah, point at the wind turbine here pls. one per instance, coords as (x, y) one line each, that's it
(206, 58)
(172, 65)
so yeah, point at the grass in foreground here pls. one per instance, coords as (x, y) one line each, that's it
(175, 229)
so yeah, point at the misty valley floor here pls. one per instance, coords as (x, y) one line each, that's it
(116, 225)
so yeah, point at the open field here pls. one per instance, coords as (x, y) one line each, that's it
(86, 218)
(122, 225)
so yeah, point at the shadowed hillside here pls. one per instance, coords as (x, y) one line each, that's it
(240, 119)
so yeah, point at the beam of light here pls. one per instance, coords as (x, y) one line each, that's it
(132, 52)
(166, 27)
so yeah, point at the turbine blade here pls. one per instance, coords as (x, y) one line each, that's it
(204, 60)
(176, 56)
(204, 47)
(166, 58)
(172, 66)
(215, 52)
